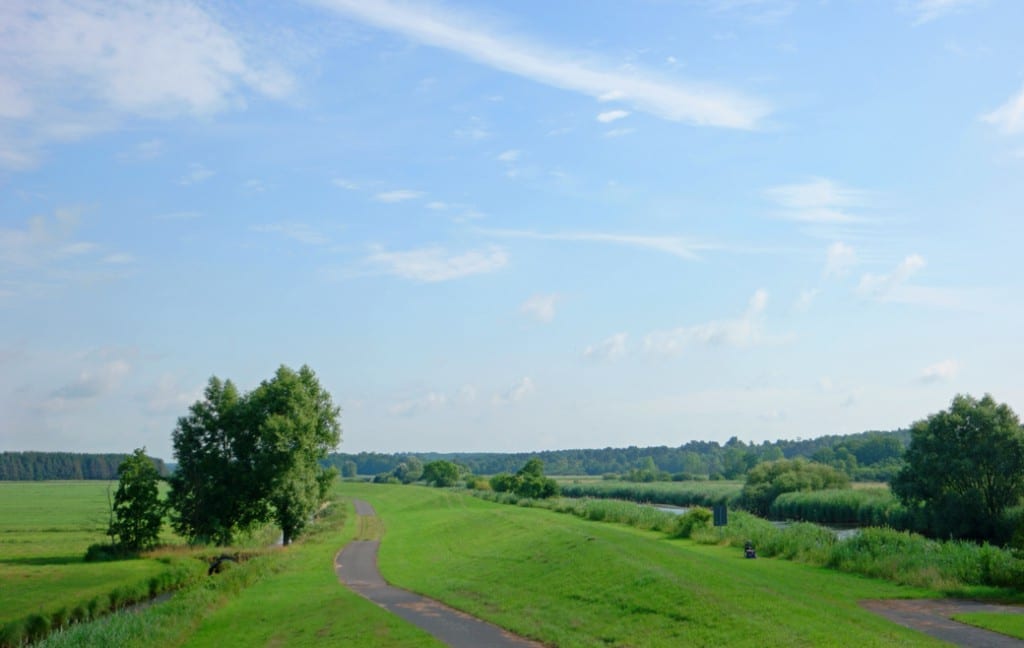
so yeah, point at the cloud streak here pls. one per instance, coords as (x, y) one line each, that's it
(435, 264)
(702, 105)
(675, 245)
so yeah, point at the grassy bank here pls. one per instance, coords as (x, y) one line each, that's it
(45, 529)
(572, 582)
(281, 597)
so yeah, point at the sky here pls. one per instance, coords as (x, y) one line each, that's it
(497, 226)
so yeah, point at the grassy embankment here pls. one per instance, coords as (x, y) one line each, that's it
(572, 582)
(283, 597)
(45, 529)
(1008, 624)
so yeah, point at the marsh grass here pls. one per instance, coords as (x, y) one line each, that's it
(689, 493)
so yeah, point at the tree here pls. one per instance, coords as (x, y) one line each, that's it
(768, 480)
(349, 469)
(138, 513)
(441, 473)
(297, 425)
(245, 460)
(212, 496)
(529, 481)
(963, 469)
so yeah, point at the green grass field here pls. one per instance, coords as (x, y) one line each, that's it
(45, 528)
(572, 582)
(553, 577)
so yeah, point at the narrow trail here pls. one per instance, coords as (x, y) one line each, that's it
(934, 617)
(356, 566)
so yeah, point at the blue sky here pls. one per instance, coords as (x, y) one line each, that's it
(510, 226)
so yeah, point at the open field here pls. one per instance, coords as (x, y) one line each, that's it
(45, 529)
(552, 577)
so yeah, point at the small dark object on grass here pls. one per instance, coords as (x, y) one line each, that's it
(748, 550)
(217, 565)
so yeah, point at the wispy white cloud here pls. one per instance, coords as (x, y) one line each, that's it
(93, 382)
(167, 395)
(143, 151)
(437, 264)
(881, 286)
(119, 258)
(806, 298)
(1009, 117)
(756, 11)
(675, 245)
(940, 371)
(414, 406)
(818, 200)
(73, 68)
(929, 10)
(839, 258)
(609, 116)
(197, 173)
(610, 348)
(516, 393)
(743, 331)
(42, 239)
(541, 307)
(296, 231)
(619, 132)
(345, 183)
(438, 26)
(511, 155)
(398, 195)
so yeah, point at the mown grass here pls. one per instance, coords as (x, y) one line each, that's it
(45, 529)
(283, 597)
(569, 582)
(1007, 624)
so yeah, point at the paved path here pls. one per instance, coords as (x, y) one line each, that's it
(933, 617)
(356, 566)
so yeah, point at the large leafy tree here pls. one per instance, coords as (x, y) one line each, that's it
(214, 495)
(138, 511)
(245, 460)
(297, 425)
(964, 468)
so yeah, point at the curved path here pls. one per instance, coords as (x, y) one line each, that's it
(934, 617)
(356, 566)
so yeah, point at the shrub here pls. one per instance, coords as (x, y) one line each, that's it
(695, 518)
(37, 627)
(12, 634)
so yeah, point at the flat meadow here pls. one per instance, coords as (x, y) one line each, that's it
(45, 529)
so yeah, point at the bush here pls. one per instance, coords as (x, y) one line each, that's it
(695, 518)
(12, 634)
(105, 552)
(37, 627)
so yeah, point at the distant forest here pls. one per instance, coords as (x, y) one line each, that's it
(866, 456)
(37, 466)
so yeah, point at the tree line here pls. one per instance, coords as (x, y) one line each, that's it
(866, 456)
(39, 466)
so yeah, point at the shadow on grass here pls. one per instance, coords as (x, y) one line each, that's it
(44, 560)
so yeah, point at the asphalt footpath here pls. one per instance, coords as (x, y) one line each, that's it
(356, 566)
